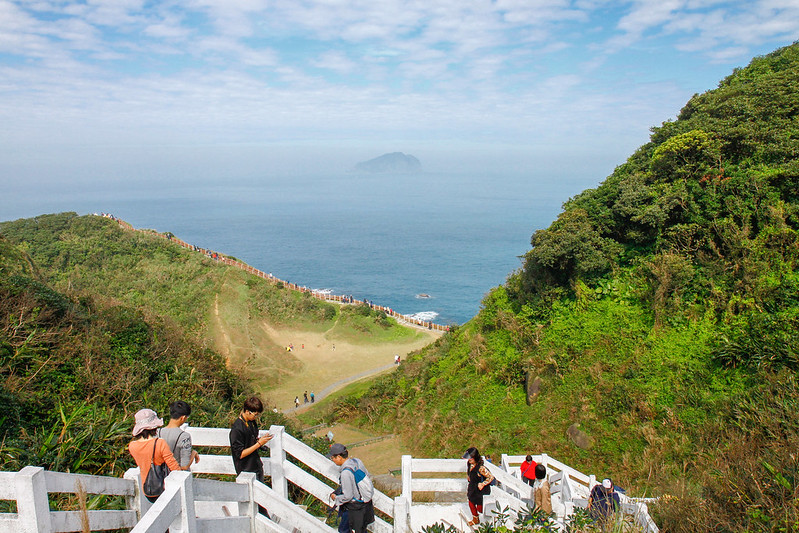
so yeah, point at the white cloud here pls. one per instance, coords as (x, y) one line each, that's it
(170, 28)
(336, 61)
(704, 25)
(647, 14)
(523, 71)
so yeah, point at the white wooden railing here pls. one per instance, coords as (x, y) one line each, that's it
(283, 471)
(432, 476)
(30, 487)
(191, 504)
(572, 489)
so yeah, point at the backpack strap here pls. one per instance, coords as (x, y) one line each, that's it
(178, 439)
(358, 474)
(172, 445)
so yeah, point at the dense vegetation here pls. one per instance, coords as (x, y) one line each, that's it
(652, 333)
(219, 307)
(92, 254)
(74, 368)
(97, 322)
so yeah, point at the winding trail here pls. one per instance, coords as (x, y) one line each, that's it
(337, 385)
(327, 364)
(224, 346)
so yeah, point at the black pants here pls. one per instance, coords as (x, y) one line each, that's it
(361, 514)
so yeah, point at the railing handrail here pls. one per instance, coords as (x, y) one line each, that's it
(30, 488)
(176, 506)
(515, 492)
(216, 464)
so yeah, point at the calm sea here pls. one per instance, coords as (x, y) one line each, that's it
(384, 238)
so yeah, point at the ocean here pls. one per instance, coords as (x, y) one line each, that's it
(385, 238)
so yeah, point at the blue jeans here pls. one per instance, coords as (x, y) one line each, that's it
(344, 525)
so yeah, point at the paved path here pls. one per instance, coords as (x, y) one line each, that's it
(337, 385)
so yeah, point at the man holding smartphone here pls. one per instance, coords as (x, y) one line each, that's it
(244, 439)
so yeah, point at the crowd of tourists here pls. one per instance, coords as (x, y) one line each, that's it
(158, 449)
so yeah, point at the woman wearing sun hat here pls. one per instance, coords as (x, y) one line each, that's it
(148, 449)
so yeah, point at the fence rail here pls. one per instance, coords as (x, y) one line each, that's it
(190, 504)
(30, 487)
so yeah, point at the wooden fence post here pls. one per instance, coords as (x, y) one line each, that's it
(33, 507)
(137, 502)
(566, 495)
(401, 515)
(490, 508)
(248, 508)
(186, 522)
(277, 455)
(407, 478)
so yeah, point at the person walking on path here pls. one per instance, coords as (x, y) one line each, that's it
(244, 439)
(178, 440)
(296, 402)
(528, 470)
(147, 449)
(541, 494)
(354, 500)
(313, 398)
(479, 483)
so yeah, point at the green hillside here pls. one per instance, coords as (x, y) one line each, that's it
(97, 322)
(74, 369)
(221, 307)
(652, 333)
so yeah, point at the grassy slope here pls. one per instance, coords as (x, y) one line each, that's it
(97, 322)
(222, 306)
(73, 371)
(660, 314)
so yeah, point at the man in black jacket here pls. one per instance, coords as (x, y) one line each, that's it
(244, 439)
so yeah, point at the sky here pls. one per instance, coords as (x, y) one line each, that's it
(112, 89)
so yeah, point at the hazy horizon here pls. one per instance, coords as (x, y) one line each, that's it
(120, 91)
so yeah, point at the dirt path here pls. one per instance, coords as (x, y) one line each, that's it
(225, 344)
(328, 366)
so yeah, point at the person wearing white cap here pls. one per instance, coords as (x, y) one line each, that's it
(603, 501)
(146, 448)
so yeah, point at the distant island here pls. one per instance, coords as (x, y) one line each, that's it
(396, 162)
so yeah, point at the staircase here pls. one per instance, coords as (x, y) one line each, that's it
(192, 504)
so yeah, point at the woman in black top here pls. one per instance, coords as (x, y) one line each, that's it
(244, 440)
(479, 480)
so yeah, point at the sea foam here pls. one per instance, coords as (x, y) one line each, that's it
(322, 291)
(425, 316)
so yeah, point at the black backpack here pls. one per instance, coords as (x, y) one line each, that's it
(153, 484)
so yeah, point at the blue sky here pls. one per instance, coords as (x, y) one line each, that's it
(544, 84)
